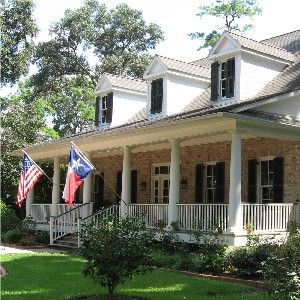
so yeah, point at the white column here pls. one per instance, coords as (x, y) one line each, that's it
(126, 180)
(29, 201)
(174, 193)
(235, 222)
(87, 189)
(56, 186)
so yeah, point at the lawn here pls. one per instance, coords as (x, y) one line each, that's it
(48, 276)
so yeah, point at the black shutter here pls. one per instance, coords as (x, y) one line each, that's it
(101, 187)
(97, 110)
(199, 183)
(220, 184)
(214, 93)
(109, 107)
(119, 186)
(156, 95)
(278, 179)
(230, 75)
(133, 186)
(98, 192)
(252, 180)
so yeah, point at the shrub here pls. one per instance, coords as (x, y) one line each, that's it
(41, 237)
(9, 219)
(13, 235)
(116, 251)
(282, 269)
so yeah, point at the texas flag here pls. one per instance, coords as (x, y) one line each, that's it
(78, 169)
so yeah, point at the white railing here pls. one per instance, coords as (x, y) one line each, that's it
(67, 222)
(267, 217)
(154, 213)
(100, 215)
(40, 212)
(205, 217)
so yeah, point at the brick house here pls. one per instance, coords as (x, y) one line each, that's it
(213, 143)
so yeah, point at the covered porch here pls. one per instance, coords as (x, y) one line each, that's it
(139, 148)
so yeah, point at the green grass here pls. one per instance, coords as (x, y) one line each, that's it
(48, 276)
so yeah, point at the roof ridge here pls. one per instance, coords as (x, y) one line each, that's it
(123, 76)
(182, 61)
(260, 42)
(276, 36)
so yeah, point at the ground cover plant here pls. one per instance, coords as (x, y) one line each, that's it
(58, 276)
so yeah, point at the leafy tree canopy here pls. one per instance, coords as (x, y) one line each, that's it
(18, 28)
(231, 12)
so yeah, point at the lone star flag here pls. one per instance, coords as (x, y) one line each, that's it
(78, 169)
(30, 174)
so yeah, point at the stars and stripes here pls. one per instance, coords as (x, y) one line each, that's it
(30, 174)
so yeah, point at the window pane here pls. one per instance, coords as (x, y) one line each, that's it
(209, 170)
(164, 170)
(209, 182)
(265, 193)
(156, 171)
(264, 166)
(209, 196)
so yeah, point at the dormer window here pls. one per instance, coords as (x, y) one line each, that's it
(104, 109)
(156, 96)
(222, 79)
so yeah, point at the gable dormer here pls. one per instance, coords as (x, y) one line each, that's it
(241, 67)
(118, 98)
(172, 85)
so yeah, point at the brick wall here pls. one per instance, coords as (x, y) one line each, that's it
(193, 155)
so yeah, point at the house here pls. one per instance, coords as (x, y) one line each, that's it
(213, 143)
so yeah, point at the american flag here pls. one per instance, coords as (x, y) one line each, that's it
(30, 174)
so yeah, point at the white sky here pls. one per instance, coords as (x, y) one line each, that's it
(178, 18)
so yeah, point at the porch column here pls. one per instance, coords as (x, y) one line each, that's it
(174, 193)
(235, 222)
(29, 201)
(126, 180)
(87, 189)
(56, 186)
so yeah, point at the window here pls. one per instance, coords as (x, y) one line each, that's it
(222, 79)
(156, 96)
(266, 180)
(104, 109)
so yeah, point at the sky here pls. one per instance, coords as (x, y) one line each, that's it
(177, 18)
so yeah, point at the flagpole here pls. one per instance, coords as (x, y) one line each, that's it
(99, 174)
(41, 170)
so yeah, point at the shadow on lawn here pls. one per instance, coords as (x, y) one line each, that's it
(58, 276)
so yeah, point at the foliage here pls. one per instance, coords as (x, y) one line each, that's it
(230, 11)
(246, 262)
(116, 251)
(9, 219)
(18, 28)
(282, 269)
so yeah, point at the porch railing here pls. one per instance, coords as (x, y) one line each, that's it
(67, 222)
(268, 217)
(154, 213)
(204, 217)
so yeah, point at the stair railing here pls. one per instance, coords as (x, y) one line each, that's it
(66, 223)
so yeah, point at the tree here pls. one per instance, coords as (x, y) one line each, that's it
(18, 28)
(116, 251)
(231, 12)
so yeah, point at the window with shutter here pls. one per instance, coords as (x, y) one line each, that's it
(97, 112)
(214, 81)
(133, 186)
(220, 182)
(156, 96)
(252, 180)
(199, 183)
(104, 109)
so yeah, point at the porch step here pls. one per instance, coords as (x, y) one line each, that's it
(68, 241)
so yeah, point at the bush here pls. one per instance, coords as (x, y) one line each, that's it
(9, 219)
(116, 251)
(13, 235)
(282, 269)
(247, 261)
(42, 237)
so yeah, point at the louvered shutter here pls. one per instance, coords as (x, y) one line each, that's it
(199, 178)
(109, 107)
(156, 95)
(252, 181)
(230, 77)
(119, 186)
(133, 186)
(98, 192)
(278, 179)
(214, 81)
(220, 181)
(97, 110)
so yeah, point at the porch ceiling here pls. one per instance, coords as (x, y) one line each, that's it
(200, 130)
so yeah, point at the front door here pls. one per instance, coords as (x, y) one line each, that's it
(161, 184)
